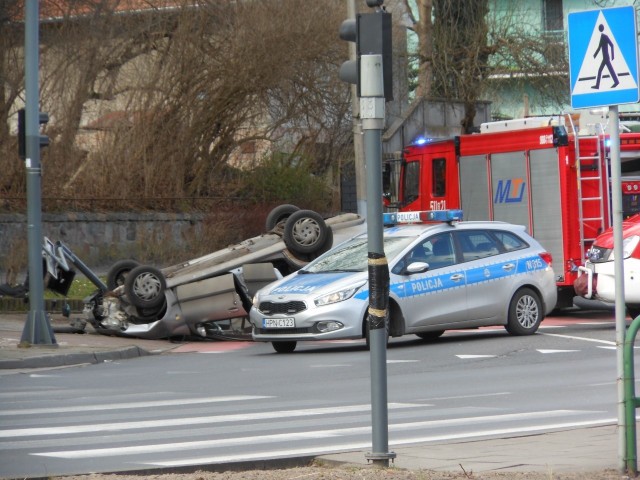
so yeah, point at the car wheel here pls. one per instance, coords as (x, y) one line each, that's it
(633, 311)
(145, 286)
(430, 335)
(118, 272)
(284, 347)
(525, 313)
(305, 232)
(278, 217)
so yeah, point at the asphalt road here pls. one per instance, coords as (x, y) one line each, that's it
(235, 401)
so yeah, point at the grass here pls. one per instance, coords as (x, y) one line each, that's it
(81, 287)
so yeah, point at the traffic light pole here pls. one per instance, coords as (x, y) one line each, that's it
(372, 111)
(37, 329)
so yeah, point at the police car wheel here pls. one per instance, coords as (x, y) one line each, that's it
(525, 313)
(284, 347)
(633, 310)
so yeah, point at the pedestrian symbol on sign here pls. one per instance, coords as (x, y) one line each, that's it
(604, 47)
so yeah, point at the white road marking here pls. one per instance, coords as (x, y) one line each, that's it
(467, 396)
(129, 405)
(367, 444)
(475, 356)
(174, 422)
(542, 350)
(296, 436)
(403, 361)
(595, 340)
(335, 365)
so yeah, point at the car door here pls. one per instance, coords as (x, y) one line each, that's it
(490, 273)
(435, 296)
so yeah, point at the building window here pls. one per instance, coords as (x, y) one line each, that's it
(552, 15)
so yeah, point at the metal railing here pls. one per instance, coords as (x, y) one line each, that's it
(631, 402)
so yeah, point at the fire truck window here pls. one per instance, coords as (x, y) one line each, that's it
(438, 171)
(411, 181)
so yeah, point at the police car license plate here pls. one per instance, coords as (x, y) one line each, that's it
(288, 322)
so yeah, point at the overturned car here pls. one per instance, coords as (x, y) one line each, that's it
(209, 296)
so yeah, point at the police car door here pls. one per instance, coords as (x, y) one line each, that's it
(490, 273)
(433, 295)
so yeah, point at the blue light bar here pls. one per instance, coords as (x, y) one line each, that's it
(396, 218)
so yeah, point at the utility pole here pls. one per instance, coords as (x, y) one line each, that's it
(371, 73)
(37, 329)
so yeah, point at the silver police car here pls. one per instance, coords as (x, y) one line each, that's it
(446, 275)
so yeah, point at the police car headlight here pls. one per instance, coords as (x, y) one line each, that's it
(629, 244)
(338, 296)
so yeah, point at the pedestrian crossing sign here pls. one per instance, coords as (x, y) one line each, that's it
(603, 57)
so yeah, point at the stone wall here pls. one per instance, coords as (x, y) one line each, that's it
(100, 239)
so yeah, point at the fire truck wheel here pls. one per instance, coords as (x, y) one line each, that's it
(145, 286)
(118, 272)
(284, 347)
(525, 313)
(278, 216)
(305, 232)
(633, 311)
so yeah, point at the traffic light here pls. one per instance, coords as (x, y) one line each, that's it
(371, 33)
(43, 118)
(350, 70)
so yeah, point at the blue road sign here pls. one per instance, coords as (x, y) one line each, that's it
(603, 57)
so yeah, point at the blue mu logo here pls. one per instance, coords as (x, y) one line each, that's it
(510, 190)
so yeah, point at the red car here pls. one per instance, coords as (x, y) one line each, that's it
(597, 278)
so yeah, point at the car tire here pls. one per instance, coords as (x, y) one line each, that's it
(284, 347)
(299, 260)
(525, 313)
(430, 335)
(118, 273)
(305, 232)
(633, 311)
(278, 216)
(145, 286)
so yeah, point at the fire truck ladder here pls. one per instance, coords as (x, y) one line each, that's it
(590, 227)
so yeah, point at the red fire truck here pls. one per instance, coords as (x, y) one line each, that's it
(547, 173)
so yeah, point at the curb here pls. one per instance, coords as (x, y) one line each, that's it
(63, 360)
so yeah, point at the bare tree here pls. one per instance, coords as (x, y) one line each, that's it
(156, 102)
(467, 49)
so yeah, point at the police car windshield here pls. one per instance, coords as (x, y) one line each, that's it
(352, 256)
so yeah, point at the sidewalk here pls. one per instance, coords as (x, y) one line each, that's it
(71, 348)
(578, 450)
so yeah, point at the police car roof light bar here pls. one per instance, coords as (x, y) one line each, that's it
(394, 218)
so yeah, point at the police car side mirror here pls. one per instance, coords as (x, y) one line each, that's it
(417, 267)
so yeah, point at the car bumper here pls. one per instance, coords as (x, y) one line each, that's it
(603, 282)
(349, 314)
